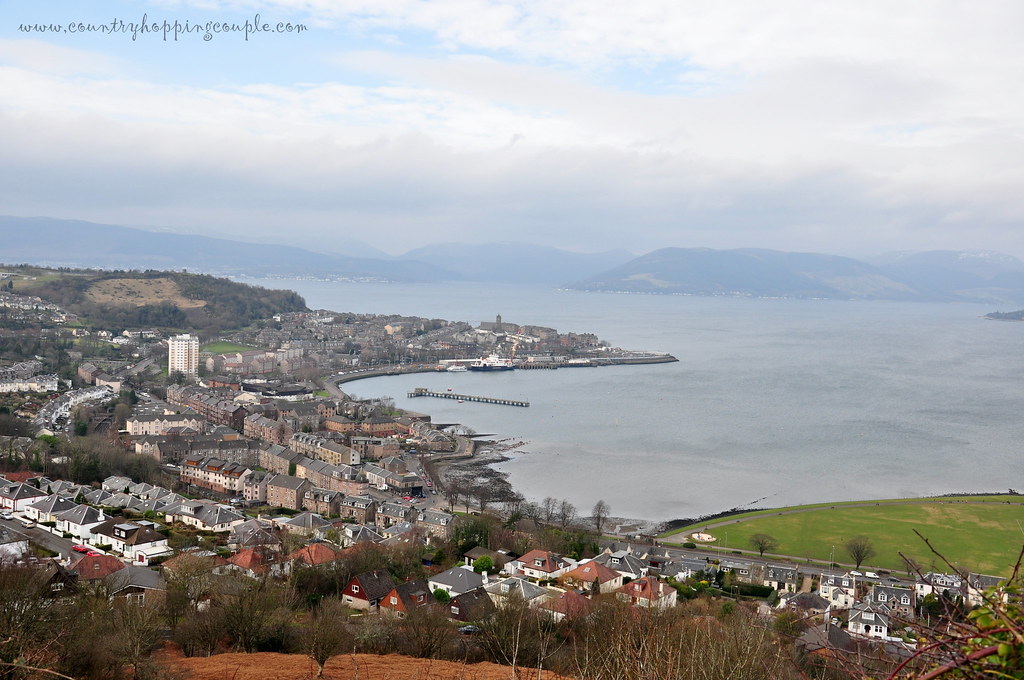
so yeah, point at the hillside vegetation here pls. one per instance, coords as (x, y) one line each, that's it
(125, 299)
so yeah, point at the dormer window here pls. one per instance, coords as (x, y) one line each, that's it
(868, 616)
(882, 597)
(905, 600)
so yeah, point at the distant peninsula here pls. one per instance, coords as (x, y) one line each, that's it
(1006, 316)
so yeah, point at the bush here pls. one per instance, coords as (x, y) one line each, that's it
(690, 544)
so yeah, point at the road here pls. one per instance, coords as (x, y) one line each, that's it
(41, 537)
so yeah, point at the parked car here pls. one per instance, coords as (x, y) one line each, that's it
(93, 553)
(80, 548)
(27, 523)
(7, 514)
(855, 573)
(471, 630)
(870, 574)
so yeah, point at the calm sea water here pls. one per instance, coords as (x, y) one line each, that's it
(772, 401)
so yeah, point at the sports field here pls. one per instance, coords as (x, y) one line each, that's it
(221, 347)
(975, 533)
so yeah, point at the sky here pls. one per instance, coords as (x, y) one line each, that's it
(851, 127)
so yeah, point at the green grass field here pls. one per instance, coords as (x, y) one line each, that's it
(222, 347)
(971, 534)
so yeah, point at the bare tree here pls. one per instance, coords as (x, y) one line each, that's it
(327, 634)
(762, 543)
(860, 549)
(452, 490)
(599, 514)
(136, 632)
(566, 514)
(548, 507)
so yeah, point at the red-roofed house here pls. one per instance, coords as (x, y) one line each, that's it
(539, 564)
(568, 605)
(405, 597)
(96, 568)
(648, 592)
(314, 554)
(366, 590)
(587, 573)
(256, 562)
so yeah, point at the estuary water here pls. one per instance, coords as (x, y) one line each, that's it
(772, 402)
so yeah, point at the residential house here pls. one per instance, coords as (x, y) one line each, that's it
(354, 534)
(950, 584)
(256, 562)
(362, 509)
(389, 514)
(365, 591)
(898, 600)
(204, 515)
(438, 524)
(313, 555)
(135, 584)
(741, 570)
(93, 569)
(474, 605)
(285, 491)
(624, 562)
(809, 603)
(138, 542)
(516, 588)
(13, 547)
(539, 565)
(214, 474)
(18, 496)
(567, 605)
(648, 592)
(457, 580)
(592, 577)
(406, 597)
(978, 585)
(869, 620)
(840, 591)
(47, 509)
(781, 578)
(79, 521)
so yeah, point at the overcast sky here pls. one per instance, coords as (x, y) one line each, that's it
(851, 127)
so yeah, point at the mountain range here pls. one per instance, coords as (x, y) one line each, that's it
(978, 276)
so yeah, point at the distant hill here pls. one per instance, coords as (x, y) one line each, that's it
(73, 243)
(170, 300)
(978, 275)
(516, 262)
(754, 272)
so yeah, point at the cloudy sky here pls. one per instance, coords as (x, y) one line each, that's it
(853, 127)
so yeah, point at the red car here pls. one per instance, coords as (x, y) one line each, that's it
(79, 548)
(93, 553)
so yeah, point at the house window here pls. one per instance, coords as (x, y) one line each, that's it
(355, 589)
(394, 600)
(882, 597)
(455, 610)
(905, 600)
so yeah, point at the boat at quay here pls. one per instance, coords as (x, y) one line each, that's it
(492, 363)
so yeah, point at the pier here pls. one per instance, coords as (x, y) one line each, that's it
(424, 392)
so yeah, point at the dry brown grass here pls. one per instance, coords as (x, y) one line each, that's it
(269, 666)
(138, 292)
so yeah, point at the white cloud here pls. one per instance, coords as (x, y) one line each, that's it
(810, 127)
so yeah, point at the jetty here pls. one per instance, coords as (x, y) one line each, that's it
(424, 392)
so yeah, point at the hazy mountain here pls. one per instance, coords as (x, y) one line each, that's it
(516, 262)
(74, 243)
(762, 273)
(980, 275)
